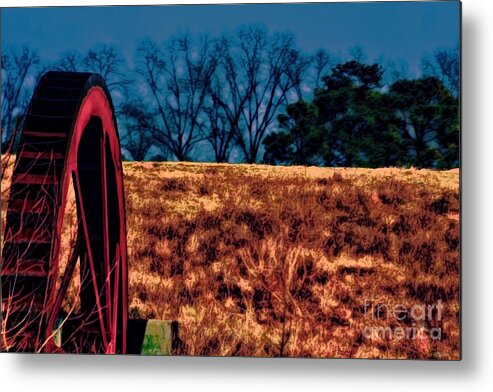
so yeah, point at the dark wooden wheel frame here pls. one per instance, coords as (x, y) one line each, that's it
(69, 140)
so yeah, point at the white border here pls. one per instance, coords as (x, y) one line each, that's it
(86, 373)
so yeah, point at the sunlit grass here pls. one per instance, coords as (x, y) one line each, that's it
(266, 261)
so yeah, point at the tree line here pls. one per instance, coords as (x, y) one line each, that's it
(255, 97)
(352, 121)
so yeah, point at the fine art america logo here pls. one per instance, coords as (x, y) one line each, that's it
(415, 318)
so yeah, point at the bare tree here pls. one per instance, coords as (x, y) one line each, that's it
(226, 104)
(16, 67)
(396, 70)
(220, 132)
(178, 89)
(257, 72)
(444, 65)
(138, 125)
(297, 66)
(321, 66)
(108, 62)
(358, 54)
(70, 61)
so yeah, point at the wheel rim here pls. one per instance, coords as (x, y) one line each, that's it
(69, 143)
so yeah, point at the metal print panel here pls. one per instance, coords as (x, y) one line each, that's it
(269, 180)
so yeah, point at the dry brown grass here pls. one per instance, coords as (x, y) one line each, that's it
(265, 261)
(256, 260)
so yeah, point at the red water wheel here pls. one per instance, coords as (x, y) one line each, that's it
(64, 273)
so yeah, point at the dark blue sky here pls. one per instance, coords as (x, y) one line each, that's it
(403, 31)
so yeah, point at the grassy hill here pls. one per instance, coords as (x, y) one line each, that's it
(266, 261)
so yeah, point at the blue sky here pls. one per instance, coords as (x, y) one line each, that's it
(399, 31)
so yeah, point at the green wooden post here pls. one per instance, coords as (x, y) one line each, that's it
(157, 338)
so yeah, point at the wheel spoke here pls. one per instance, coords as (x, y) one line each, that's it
(106, 236)
(114, 320)
(67, 277)
(90, 256)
